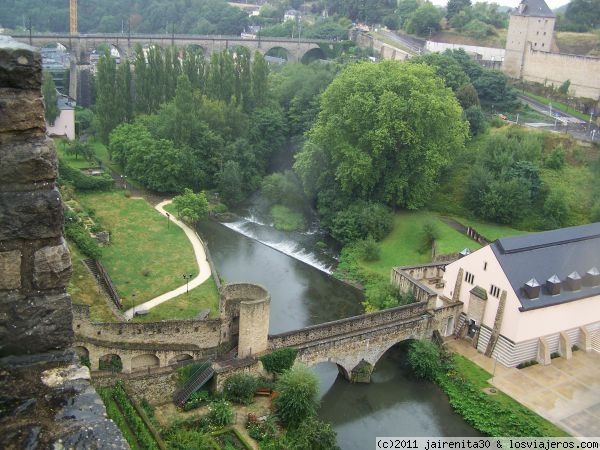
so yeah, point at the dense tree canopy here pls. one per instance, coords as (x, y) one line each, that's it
(154, 16)
(383, 134)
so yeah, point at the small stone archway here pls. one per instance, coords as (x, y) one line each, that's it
(111, 362)
(144, 362)
(82, 351)
(180, 358)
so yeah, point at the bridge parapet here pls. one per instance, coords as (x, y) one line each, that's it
(344, 326)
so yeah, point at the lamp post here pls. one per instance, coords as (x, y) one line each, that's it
(187, 277)
(168, 219)
(133, 306)
(124, 181)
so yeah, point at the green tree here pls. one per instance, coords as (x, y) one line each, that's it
(108, 117)
(447, 68)
(297, 400)
(78, 147)
(477, 122)
(584, 12)
(51, 111)
(260, 84)
(467, 96)
(425, 20)
(191, 207)
(373, 138)
(564, 88)
(556, 210)
(424, 359)
(230, 183)
(455, 6)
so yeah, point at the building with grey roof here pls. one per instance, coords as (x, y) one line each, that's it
(530, 296)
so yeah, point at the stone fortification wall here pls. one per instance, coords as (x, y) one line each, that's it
(554, 68)
(157, 386)
(197, 334)
(254, 323)
(352, 324)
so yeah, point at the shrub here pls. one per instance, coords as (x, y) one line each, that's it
(424, 359)
(369, 250)
(76, 232)
(312, 434)
(81, 181)
(380, 294)
(297, 399)
(265, 430)
(556, 159)
(287, 220)
(240, 388)
(280, 360)
(196, 400)
(220, 413)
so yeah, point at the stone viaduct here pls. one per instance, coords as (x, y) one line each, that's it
(81, 44)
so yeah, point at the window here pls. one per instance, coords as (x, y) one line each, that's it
(544, 33)
(542, 44)
(485, 265)
(537, 32)
(495, 291)
(469, 277)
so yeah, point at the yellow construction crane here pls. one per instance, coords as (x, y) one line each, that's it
(73, 15)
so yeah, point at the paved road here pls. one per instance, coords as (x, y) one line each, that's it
(411, 44)
(203, 266)
(564, 123)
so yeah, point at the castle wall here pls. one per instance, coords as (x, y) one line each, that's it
(553, 68)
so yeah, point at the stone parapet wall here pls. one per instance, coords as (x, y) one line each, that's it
(35, 266)
(352, 324)
(405, 282)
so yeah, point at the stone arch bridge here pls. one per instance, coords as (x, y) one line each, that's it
(355, 344)
(81, 44)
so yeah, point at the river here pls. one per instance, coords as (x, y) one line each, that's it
(303, 293)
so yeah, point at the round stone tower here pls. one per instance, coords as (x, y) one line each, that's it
(251, 323)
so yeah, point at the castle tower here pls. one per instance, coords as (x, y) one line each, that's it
(531, 26)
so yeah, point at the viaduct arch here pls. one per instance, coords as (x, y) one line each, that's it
(85, 43)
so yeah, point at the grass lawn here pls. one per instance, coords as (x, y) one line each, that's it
(519, 414)
(84, 290)
(186, 306)
(144, 258)
(403, 246)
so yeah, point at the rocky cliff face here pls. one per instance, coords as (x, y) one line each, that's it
(46, 400)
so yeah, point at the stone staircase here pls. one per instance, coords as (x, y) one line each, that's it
(104, 281)
(198, 379)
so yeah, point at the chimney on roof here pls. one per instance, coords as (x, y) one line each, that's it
(532, 289)
(553, 285)
(592, 277)
(574, 281)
